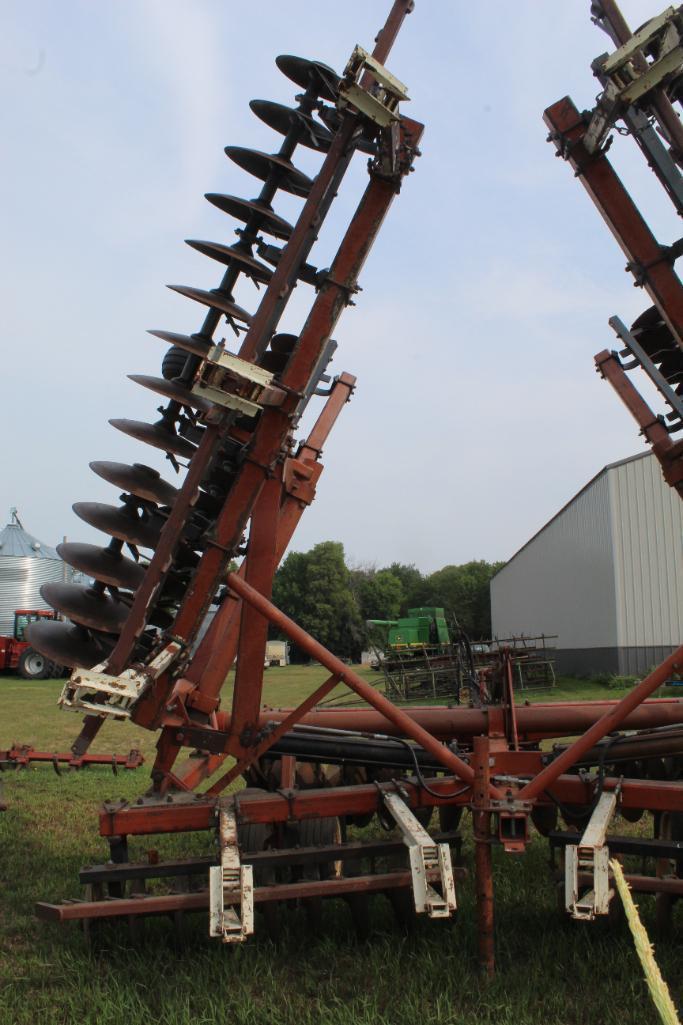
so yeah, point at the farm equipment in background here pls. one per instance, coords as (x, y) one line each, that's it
(422, 655)
(16, 654)
(533, 660)
(232, 416)
(20, 756)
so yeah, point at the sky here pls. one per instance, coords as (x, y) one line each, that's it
(478, 412)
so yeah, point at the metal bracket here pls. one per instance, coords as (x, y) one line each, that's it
(513, 819)
(655, 375)
(590, 855)
(230, 883)
(96, 692)
(426, 857)
(379, 105)
(221, 368)
(625, 83)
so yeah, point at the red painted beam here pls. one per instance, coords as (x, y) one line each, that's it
(534, 722)
(181, 815)
(610, 721)
(378, 701)
(620, 213)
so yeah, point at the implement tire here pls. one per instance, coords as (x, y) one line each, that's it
(34, 666)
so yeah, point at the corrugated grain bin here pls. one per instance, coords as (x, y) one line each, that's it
(25, 565)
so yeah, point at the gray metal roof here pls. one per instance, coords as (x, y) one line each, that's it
(15, 541)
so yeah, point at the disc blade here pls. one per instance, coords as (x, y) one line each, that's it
(171, 390)
(244, 209)
(108, 566)
(190, 343)
(156, 436)
(67, 645)
(216, 300)
(118, 522)
(653, 333)
(282, 119)
(137, 479)
(86, 606)
(308, 73)
(283, 343)
(275, 362)
(263, 165)
(231, 255)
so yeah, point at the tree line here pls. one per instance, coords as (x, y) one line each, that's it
(333, 601)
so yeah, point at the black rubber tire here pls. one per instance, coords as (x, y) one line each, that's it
(258, 837)
(34, 666)
(544, 817)
(321, 833)
(449, 817)
(174, 362)
(318, 833)
(253, 836)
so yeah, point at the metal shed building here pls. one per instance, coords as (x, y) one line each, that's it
(605, 574)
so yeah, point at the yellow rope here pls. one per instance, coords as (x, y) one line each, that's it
(659, 990)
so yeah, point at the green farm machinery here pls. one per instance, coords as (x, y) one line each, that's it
(424, 653)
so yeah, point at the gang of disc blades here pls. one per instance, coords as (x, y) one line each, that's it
(156, 436)
(305, 73)
(244, 209)
(139, 480)
(263, 165)
(86, 606)
(282, 119)
(109, 567)
(217, 300)
(66, 644)
(228, 255)
(190, 343)
(117, 522)
(171, 390)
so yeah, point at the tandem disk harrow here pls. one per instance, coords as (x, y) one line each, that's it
(314, 775)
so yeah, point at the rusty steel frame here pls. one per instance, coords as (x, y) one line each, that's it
(648, 261)
(20, 756)
(503, 774)
(262, 457)
(195, 813)
(273, 427)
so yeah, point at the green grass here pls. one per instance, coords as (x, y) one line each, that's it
(550, 970)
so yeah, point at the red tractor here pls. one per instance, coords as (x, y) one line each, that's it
(17, 654)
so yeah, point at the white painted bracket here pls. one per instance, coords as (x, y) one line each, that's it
(230, 884)
(590, 855)
(379, 105)
(221, 364)
(96, 692)
(626, 82)
(426, 857)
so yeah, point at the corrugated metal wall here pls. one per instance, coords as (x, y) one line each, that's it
(562, 581)
(20, 583)
(647, 537)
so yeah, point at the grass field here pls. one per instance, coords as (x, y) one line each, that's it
(550, 970)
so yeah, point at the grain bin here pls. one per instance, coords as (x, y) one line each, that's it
(25, 565)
